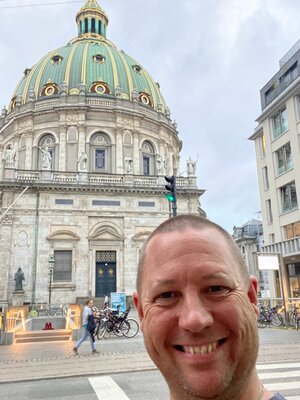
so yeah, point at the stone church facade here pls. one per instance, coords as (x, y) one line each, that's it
(85, 144)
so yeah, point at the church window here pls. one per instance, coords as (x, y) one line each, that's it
(86, 25)
(100, 159)
(99, 88)
(137, 69)
(50, 89)
(56, 59)
(148, 158)
(99, 58)
(99, 27)
(93, 25)
(100, 152)
(62, 271)
(145, 99)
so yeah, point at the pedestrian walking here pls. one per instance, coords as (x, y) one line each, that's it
(87, 322)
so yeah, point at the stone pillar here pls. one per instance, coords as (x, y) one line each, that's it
(62, 149)
(136, 154)
(119, 152)
(29, 164)
(81, 141)
(2, 162)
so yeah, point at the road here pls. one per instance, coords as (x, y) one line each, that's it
(278, 366)
(137, 386)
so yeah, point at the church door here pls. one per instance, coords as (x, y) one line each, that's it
(105, 273)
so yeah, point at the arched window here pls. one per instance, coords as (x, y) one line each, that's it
(100, 152)
(86, 25)
(99, 27)
(148, 158)
(46, 153)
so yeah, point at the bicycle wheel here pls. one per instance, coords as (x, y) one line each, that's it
(130, 328)
(101, 330)
(262, 321)
(276, 320)
(120, 328)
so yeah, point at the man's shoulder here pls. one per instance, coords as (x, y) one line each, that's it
(277, 397)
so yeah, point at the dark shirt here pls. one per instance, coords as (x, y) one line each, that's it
(277, 397)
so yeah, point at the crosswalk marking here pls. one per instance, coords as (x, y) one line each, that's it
(107, 389)
(271, 374)
(275, 375)
(277, 366)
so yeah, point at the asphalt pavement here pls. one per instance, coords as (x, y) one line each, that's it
(34, 361)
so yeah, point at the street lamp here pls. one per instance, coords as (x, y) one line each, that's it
(51, 262)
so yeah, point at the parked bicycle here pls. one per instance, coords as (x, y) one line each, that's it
(294, 318)
(112, 321)
(269, 316)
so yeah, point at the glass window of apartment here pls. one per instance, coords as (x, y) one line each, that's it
(271, 238)
(288, 197)
(284, 159)
(262, 146)
(292, 230)
(266, 178)
(289, 75)
(280, 123)
(62, 271)
(269, 211)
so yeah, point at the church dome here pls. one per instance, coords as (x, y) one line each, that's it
(91, 65)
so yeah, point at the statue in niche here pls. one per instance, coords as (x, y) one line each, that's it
(128, 164)
(46, 161)
(191, 167)
(19, 278)
(82, 161)
(10, 156)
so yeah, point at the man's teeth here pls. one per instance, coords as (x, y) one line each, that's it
(208, 348)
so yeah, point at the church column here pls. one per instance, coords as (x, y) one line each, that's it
(136, 154)
(81, 141)
(1, 162)
(62, 149)
(119, 152)
(29, 163)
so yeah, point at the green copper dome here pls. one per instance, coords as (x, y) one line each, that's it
(89, 64)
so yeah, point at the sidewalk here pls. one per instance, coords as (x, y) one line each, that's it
(33, 361)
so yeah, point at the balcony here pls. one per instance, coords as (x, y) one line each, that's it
(287, 248)
(58, 178)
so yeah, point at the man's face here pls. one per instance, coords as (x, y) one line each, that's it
(90, 304)
(197, 314)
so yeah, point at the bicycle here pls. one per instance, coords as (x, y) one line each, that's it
(110, 321)
(294, 318)
(269, 316)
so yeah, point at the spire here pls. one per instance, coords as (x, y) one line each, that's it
(91, 20)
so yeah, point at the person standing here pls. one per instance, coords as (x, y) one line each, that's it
(198, 311)
(86, 315)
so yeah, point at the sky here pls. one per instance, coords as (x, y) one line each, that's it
(210, 57)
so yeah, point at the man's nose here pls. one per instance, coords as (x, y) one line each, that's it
(195, 315)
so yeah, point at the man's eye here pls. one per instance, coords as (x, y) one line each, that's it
(216, 289)
(166, 295)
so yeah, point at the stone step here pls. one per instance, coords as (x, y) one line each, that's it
(43, 336)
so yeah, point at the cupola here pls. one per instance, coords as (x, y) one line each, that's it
(91, 20)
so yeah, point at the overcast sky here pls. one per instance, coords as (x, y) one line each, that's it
(211, 58)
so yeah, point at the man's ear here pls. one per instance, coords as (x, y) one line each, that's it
(252, 292)
(138, 305)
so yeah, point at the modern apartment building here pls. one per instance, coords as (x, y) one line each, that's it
(277, 144)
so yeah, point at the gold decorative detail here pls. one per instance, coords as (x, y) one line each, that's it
(100, 272)
(111, 272)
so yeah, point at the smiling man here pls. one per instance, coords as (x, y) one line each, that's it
(198, 313)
